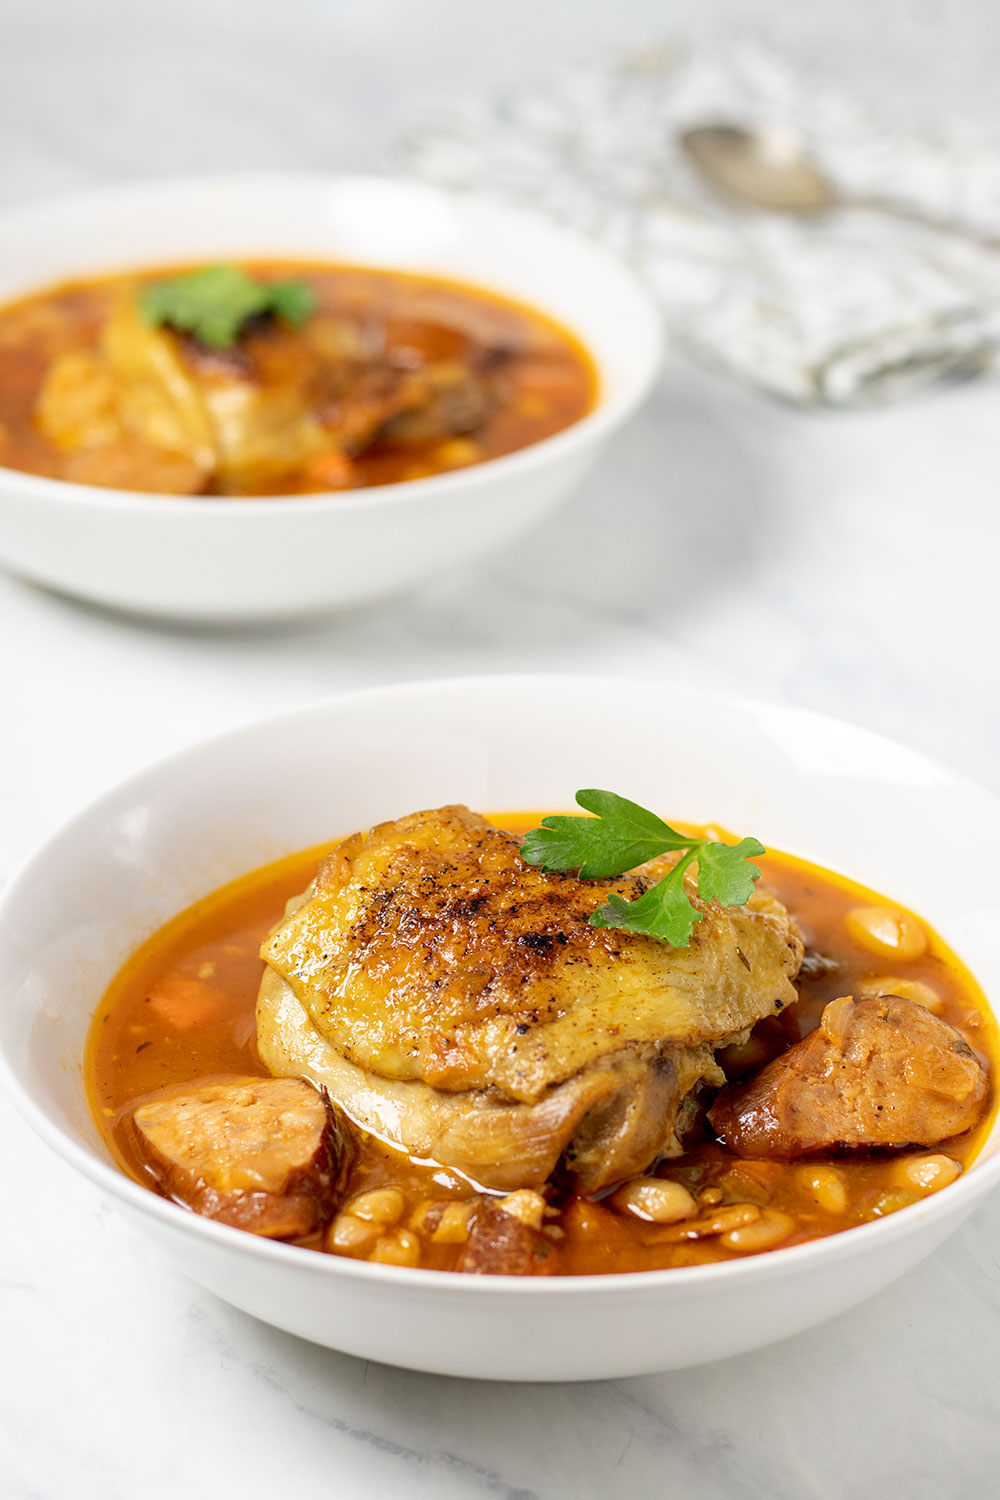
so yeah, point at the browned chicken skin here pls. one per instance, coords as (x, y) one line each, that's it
(457, 1002)
(264, 1154)
(878, 1072)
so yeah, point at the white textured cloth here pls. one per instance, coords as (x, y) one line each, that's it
(852, 308)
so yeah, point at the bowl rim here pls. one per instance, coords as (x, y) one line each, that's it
(605, 414)
(967, 1189)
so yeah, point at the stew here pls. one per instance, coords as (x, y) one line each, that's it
(184, 1009)
(369, 377)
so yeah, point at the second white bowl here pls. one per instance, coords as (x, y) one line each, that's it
(239, 559)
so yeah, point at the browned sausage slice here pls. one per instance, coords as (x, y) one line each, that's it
(264, 1154)
(500, 1244)
(878, 1072)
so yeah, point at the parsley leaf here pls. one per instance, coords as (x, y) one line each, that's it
(293, 300)
(623, 835)
(215, 302)
(724, 872)
(663, 912)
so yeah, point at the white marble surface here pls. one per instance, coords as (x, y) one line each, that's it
(845, 563)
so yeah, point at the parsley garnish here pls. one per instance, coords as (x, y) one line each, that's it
(214, 303)
(624, 835)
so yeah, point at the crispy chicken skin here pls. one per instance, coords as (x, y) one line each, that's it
(877, 1072)
(455, 1000)
(264, 1154)
(429, 950)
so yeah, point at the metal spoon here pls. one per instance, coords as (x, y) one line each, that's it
(772, 170)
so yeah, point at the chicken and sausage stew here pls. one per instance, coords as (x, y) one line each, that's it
(460, 1044)
(277, 379)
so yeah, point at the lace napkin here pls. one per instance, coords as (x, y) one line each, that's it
(851, 309)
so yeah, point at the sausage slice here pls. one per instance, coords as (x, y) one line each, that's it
(263, 1154)
(877, 1072)
(500, 1244)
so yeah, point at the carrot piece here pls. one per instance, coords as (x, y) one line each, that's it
(186, 1003)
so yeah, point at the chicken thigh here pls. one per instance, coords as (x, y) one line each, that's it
(455, 1001)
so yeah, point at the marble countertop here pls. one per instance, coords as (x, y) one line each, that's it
(845, 563)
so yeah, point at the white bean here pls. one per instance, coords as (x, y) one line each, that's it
(890, 1203)
(379, 1206)
(401, 1248)
(769, 1230)
(887, 931)
(350, 1236)
(453, 1225)
(825, 1186)
(925, 1174)
(909, 989)
(655, 1199)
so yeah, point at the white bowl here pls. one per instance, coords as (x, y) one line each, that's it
(847, 799)
(205, 559)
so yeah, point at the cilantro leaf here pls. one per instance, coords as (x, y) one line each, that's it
(623, 835)
(214, 303)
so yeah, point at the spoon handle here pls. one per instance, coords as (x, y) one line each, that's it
(929, 221)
